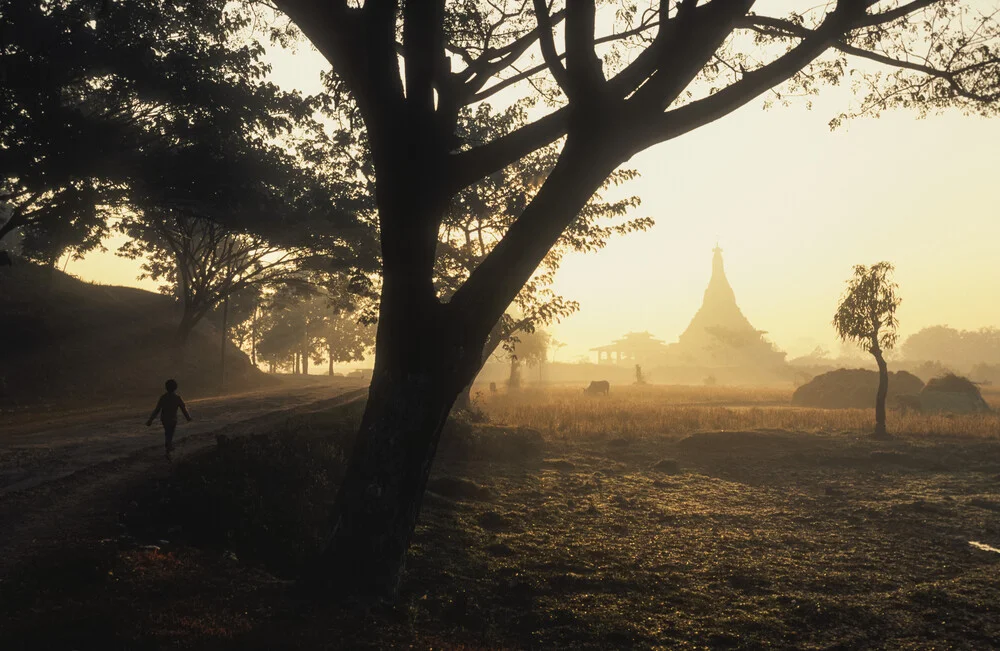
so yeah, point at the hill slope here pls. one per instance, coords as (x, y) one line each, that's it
(67, 341)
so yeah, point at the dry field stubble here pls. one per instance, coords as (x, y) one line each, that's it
(632, 523)
(679, 410)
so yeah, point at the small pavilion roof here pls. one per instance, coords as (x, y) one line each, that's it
(634, 341)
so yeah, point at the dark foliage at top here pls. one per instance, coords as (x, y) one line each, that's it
(151, 105)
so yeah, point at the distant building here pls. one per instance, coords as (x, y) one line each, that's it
(718, 341)
(633, 348)
(720, 335)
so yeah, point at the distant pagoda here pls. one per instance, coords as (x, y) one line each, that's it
(719, 334)
(719, 344)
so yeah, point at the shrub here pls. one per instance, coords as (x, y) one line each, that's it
(266, 497)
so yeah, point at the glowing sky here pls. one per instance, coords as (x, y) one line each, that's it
(794, 206)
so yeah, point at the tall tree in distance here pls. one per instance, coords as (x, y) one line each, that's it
(614, 78)
(307, 323)
(866, 316)
(345, 338)
(527, 349)
(203, 263)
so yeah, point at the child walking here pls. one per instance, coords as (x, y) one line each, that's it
(167, 408)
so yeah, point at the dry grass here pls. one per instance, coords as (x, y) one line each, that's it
(744, 540)
(670, 410)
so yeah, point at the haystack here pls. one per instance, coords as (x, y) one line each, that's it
(853, 389)
(954, 394)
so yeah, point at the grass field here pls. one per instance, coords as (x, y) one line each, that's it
(667, 410)
(631, 522)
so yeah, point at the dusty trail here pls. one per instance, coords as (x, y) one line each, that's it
(51, 447)
(68, 482)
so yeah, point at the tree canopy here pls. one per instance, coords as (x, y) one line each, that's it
(866, 313)
(140, 104)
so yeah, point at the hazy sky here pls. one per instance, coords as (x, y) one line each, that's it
(794, 206)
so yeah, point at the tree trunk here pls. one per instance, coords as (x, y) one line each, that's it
(426, 351)
(253, 336)
(222, 354)
(329, 357)
(883, 390)
(379, 500)
(185, 327)
(464, 400)
(514, 381)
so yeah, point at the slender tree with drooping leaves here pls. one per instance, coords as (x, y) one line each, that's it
(866, 316)
(614, 78)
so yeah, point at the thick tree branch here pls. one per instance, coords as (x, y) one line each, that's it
(583, 68)
(546, 43)
(493, 285)
(467, 167)
(423, 43)
(890, 15)
(690, 41)
(754, 83)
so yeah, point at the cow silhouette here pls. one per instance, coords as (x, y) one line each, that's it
(598, 387)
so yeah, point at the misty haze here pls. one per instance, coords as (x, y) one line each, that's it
(344, 324)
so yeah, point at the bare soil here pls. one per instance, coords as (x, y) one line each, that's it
(60, 476)
(39, 446)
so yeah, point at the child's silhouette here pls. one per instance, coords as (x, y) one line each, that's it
(167, 408)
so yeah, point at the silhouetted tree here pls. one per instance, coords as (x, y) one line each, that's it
(204, 263)
(866, 315)
(345, 338)
(528, 349)
(649, 75)
(146, 103)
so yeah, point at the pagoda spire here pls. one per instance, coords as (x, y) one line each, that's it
(718, 270)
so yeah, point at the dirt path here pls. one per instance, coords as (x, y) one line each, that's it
(67, 483)
(49, 448)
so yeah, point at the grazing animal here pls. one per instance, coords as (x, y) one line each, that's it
(493, 387)
(598, 387)
(5, 260)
